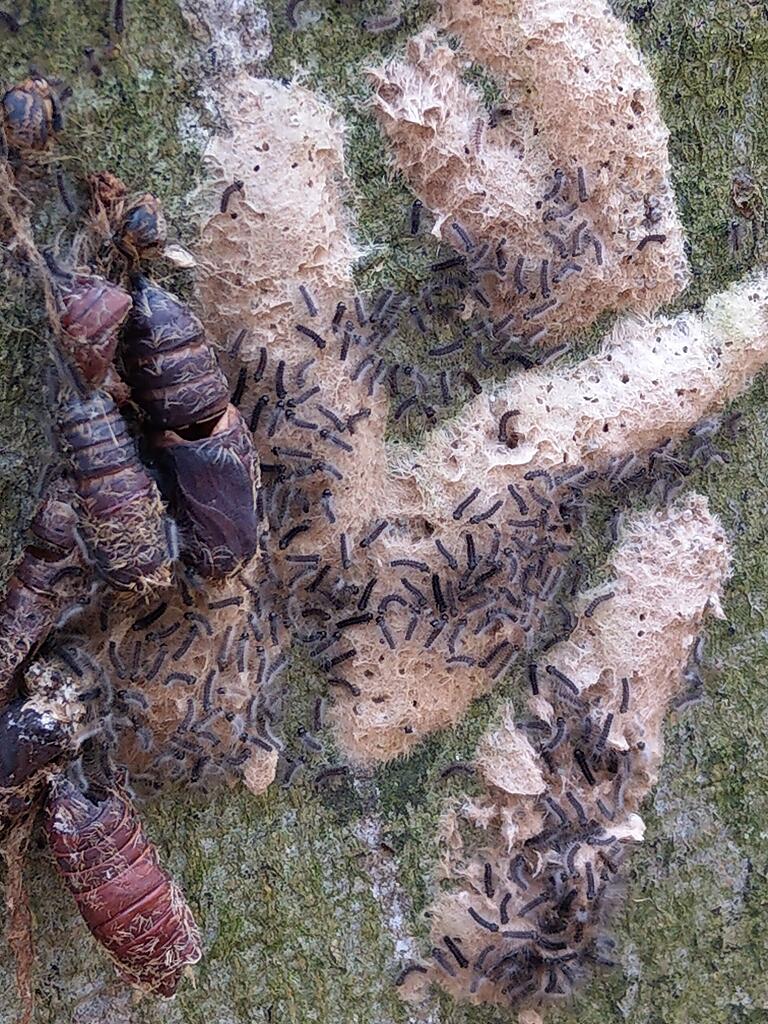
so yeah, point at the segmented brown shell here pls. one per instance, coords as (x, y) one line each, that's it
(142, 230)
(48, 577)
(172, 370)
(130, 904)
(31, 115)
(92, 311)
(214, 481)
(120, 514)
(29, 741)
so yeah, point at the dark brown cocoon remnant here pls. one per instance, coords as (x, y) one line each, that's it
(31, 115)
(213, 481)
(120, 515)
(46, 578)
(38, 736)
(91, 312)
(206, 449)
(27, 743)
(142, 230)
(130, 904)
(31, 741)
(172, 370)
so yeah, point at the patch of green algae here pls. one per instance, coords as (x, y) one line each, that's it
(292, 931)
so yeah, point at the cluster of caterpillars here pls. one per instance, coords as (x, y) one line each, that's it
(103, 530)
(509, 568)
(464, 591)
(184, 682)
(579, 107)
(327, 598)
(190, 686)
(543, 910)
(531, 285)
(440, 310)
(559, 788)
